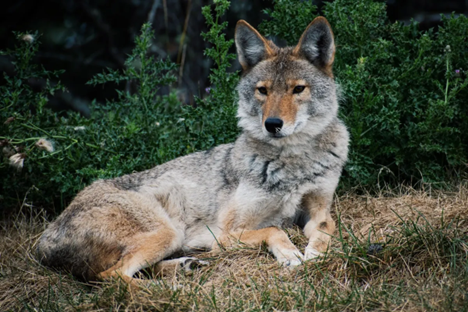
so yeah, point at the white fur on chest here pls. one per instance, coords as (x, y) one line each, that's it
(259, 208)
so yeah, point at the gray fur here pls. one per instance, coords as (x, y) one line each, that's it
(259, 179)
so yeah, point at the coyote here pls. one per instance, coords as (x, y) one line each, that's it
(283, 168)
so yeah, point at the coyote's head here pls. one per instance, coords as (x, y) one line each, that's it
(286, 91)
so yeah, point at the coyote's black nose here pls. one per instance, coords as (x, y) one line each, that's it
(273, 125)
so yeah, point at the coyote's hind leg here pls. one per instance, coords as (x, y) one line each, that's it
(148, 249)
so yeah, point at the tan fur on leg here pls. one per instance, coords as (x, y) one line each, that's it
(320, 227)
(151, 248)
(278, 243)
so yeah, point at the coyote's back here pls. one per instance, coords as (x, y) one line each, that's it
(284, 167)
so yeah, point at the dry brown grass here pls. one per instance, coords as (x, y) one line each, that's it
(422, 265)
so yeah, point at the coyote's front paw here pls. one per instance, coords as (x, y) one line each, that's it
(311, 253)
(289, 257)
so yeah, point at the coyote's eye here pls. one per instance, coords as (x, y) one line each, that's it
(262, 90)
(298, 89)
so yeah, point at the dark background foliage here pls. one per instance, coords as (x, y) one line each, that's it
(137, 97)
(84, 37)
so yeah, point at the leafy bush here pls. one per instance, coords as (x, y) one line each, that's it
(212, 120)
(51, 156)
(404, 90)
(119, 137)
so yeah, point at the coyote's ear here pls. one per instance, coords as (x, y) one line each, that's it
(251, 46)
(317, 44)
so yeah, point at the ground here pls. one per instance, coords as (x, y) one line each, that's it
(404, 251)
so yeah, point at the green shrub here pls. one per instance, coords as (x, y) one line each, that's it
(404, 90)
(120, 136)
(135, 132)
(212, 120)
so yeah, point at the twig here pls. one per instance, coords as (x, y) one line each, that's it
(166, 24)
(152, 12)
(182, 62)
(184, 33)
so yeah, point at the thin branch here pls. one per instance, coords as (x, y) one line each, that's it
(184, 33)
(153, 10)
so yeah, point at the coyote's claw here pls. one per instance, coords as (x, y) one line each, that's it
(290, 258)
(292, 263)
(311, 253)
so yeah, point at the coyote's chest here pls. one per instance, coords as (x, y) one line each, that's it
(284, 175)
(272, 188)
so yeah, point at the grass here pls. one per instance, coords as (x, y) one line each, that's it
(404, 252)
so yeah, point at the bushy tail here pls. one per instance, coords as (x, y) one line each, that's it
(82, 257)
